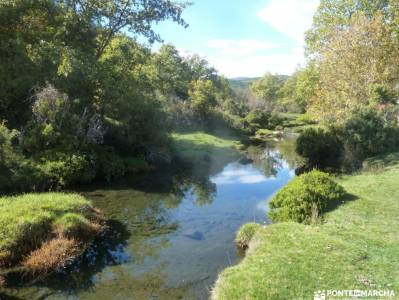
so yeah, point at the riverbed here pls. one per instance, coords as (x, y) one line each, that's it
(171, 233)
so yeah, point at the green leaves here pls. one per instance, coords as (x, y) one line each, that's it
(305, 198)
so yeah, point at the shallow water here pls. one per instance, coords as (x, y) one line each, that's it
(171, 232)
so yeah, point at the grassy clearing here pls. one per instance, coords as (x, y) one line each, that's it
(356, 247)
(199, 147)
(33, 226)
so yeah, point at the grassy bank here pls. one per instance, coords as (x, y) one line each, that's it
(40, 233)
(356, 247)
(199, 148)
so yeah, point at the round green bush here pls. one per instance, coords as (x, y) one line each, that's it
(245, 234)
(305, 198)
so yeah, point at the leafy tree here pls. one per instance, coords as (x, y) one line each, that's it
(267, 88)
(337, 14)
(203, 98)
(133, 117)
(172, 73)
(357, 67)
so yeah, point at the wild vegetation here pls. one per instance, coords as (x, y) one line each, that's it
(354, 248)
(41, 233)
(83, 98)
(350, 86)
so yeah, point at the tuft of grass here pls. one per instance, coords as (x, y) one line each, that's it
(245, 234)
(52, 255)
(356, 247)
(31, 224)
(26, 220)
(75, 225)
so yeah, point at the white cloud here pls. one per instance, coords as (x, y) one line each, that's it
(290, 17)
(236, 173)
(258, 65)
(240, 47)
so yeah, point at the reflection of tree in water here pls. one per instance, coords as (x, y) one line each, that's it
(272, 158)
(266, 159)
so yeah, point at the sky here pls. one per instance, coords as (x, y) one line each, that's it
(244, 38)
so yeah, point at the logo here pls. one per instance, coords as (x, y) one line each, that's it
(320, 295)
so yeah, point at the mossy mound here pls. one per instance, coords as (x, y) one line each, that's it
(42, 232)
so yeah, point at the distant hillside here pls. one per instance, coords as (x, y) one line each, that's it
(241, 83)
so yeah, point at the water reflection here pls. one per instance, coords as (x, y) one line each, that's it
(171, 232)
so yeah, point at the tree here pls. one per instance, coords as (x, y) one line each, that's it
(203, 98)
(267, 88)
(134, 16)
(299, 88)
(61, 41)
(172, 73)
(356, 64)
(338, 14)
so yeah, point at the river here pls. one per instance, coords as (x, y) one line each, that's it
(170, 234)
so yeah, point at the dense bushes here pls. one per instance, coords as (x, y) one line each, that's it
(369, 132)
(305, 198)
(321, 148)
(366, 133)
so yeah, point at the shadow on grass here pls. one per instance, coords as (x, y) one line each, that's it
(332, 205)
(381, 161)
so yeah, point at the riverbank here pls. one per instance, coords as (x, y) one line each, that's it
(355, 247)
(204, 150)
(42, 233)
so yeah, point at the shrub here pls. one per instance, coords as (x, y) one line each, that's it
(305, 198)
(257, 119)
(274, 121)
(67, 169)
(321, 148)
(245, 234)
(367, 133)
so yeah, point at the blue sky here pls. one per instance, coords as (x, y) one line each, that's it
(244, 37)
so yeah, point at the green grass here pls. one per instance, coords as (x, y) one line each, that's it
(245, 234)
(27, 220)
(199, 147)
(356, 247)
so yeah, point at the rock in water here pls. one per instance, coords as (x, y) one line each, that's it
(196, 235)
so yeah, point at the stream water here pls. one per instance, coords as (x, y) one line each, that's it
(170, 234)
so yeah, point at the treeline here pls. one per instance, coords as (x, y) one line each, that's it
(81, 99)
(349, 85)
(353, 55)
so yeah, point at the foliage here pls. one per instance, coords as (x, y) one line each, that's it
(367, 132)
(74, 84)
(338, 13)
(356, 60)
(347, 250)
(267, 87)
(320, 147)
(202, 97)
(305, 198)
(54, 124)
(245, 234)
